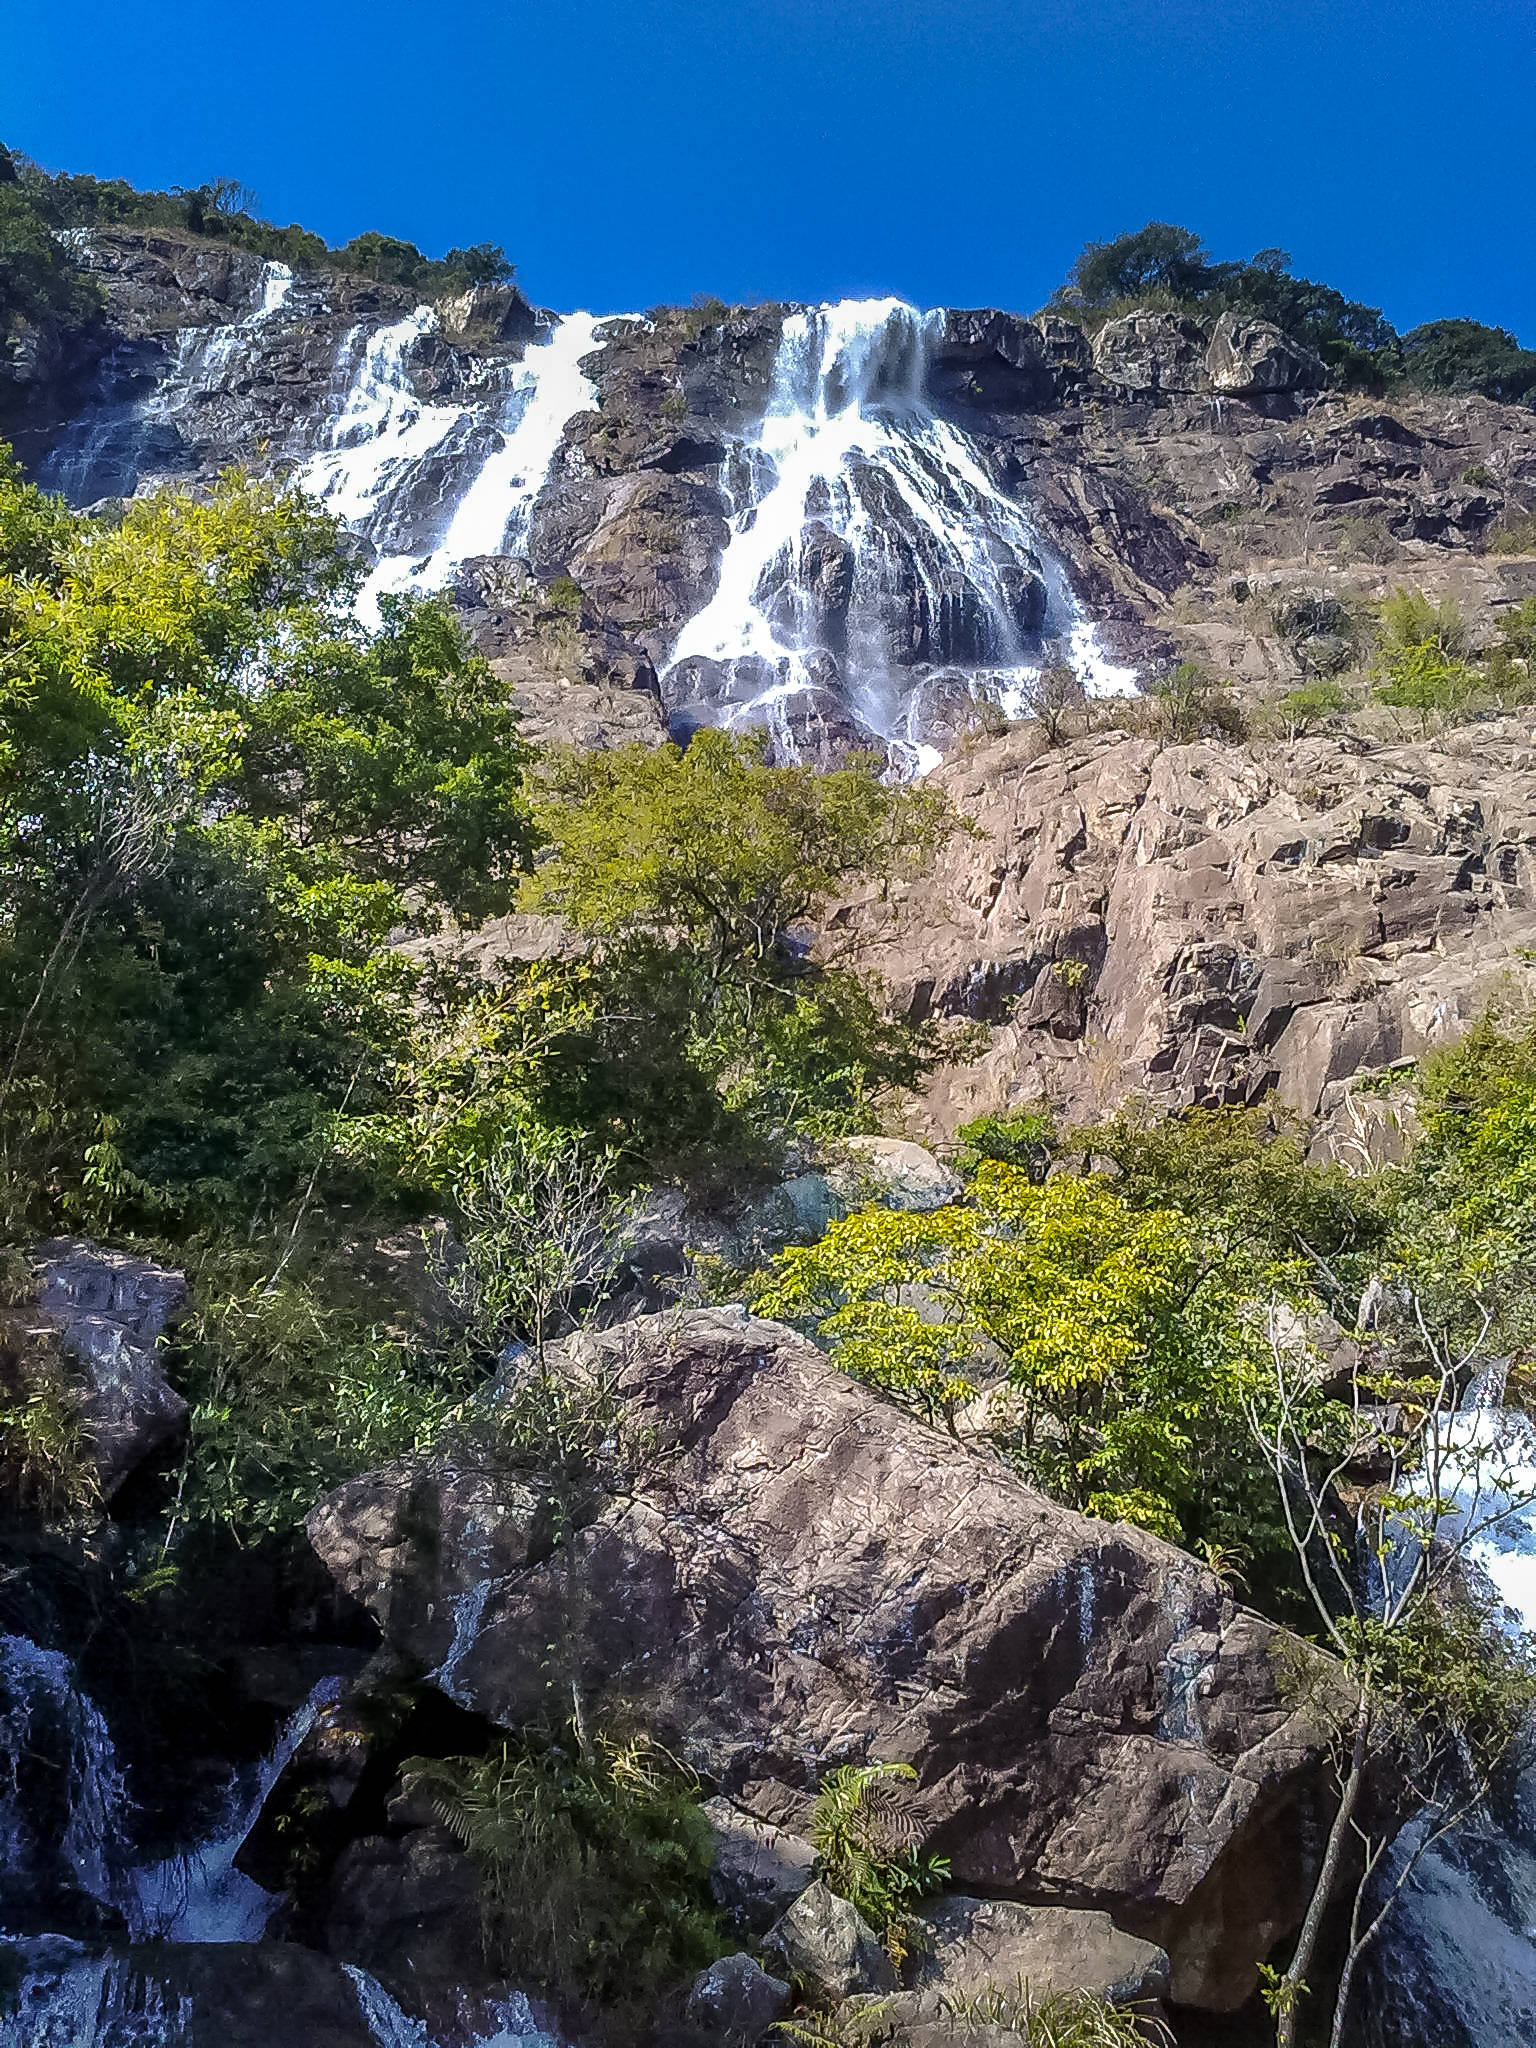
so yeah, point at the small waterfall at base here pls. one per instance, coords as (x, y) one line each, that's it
(873, 567)
(431, 485)
(1456, 1963)
(177, 1934)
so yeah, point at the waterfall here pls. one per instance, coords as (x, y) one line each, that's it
(388, 455)
(63, 1804)
(79, 1818)
(869, 550)
(1456, 1963)
(110, 446)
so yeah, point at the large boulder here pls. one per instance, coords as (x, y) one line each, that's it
(1143, 354)
(110, 1312)
(800, 1575)
(1255, 358)
(977, 1945)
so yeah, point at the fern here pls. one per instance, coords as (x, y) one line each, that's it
(867, 1827)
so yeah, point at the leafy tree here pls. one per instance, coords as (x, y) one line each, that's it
(1156, 258)
(704, 1025)
(1432, 1691)
(1188, 704)
(218, 793)
(1466, 355)
(483, 263)
(1245, 1175)
(1118, 1330)
(1025, 1138)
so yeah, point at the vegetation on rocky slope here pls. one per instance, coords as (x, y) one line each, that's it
(1170, 268)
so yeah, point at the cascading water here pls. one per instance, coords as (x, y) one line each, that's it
(1456, 1966)
(106, 451)
(67, 1825)
(870, 553)
(427, 485)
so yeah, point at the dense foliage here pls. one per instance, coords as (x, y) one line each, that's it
(239, 836)
(594, 1861)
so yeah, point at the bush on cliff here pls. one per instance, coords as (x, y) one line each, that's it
(711, 1030)
(1117, 1331)
(223, 808)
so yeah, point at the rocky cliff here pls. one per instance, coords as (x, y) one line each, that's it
(845, 524)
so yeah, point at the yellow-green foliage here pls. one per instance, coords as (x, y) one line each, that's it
(717, 844)
(1119, 1330)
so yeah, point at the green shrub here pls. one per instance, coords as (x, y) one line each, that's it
(867, 1836)
(1025, 1138)
(594, 1863)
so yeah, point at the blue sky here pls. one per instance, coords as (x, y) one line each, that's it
(951, 151)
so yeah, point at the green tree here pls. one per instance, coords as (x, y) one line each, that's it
(1157, 258)
(223, 806)
(704, 1023)
(1118, 1330)
(1466, 355)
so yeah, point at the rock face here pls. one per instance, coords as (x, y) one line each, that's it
(1144, 353)
(982, 1944)
(758, 1870)
(110, 1312)
(1148, 465)
(1249, 358)
(1208, 924)
(802, 1576)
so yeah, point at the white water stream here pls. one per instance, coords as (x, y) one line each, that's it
(868, 542)
(76, 1994)
(375, 469)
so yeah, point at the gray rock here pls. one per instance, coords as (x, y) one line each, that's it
(111, 1312)
(799, 1575)
(1147, 353)
(979, 1944)
(736, 2000)
(1249, 358)
(895, 1173)
(824, 1944)
(758, 1870)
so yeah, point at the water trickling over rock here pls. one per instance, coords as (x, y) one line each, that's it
(873, 565)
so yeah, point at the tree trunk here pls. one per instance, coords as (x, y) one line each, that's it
(1322, 1892)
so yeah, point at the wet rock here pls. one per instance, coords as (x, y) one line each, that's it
(111, 1312)
(1247, 357)
(216, 1995)
(409, 1912)
(975, 1945)
(736, 2000)
(800, 1575)
(758, 1870)
(824, 1946)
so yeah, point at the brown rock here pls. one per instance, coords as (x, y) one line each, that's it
(802, 1576)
